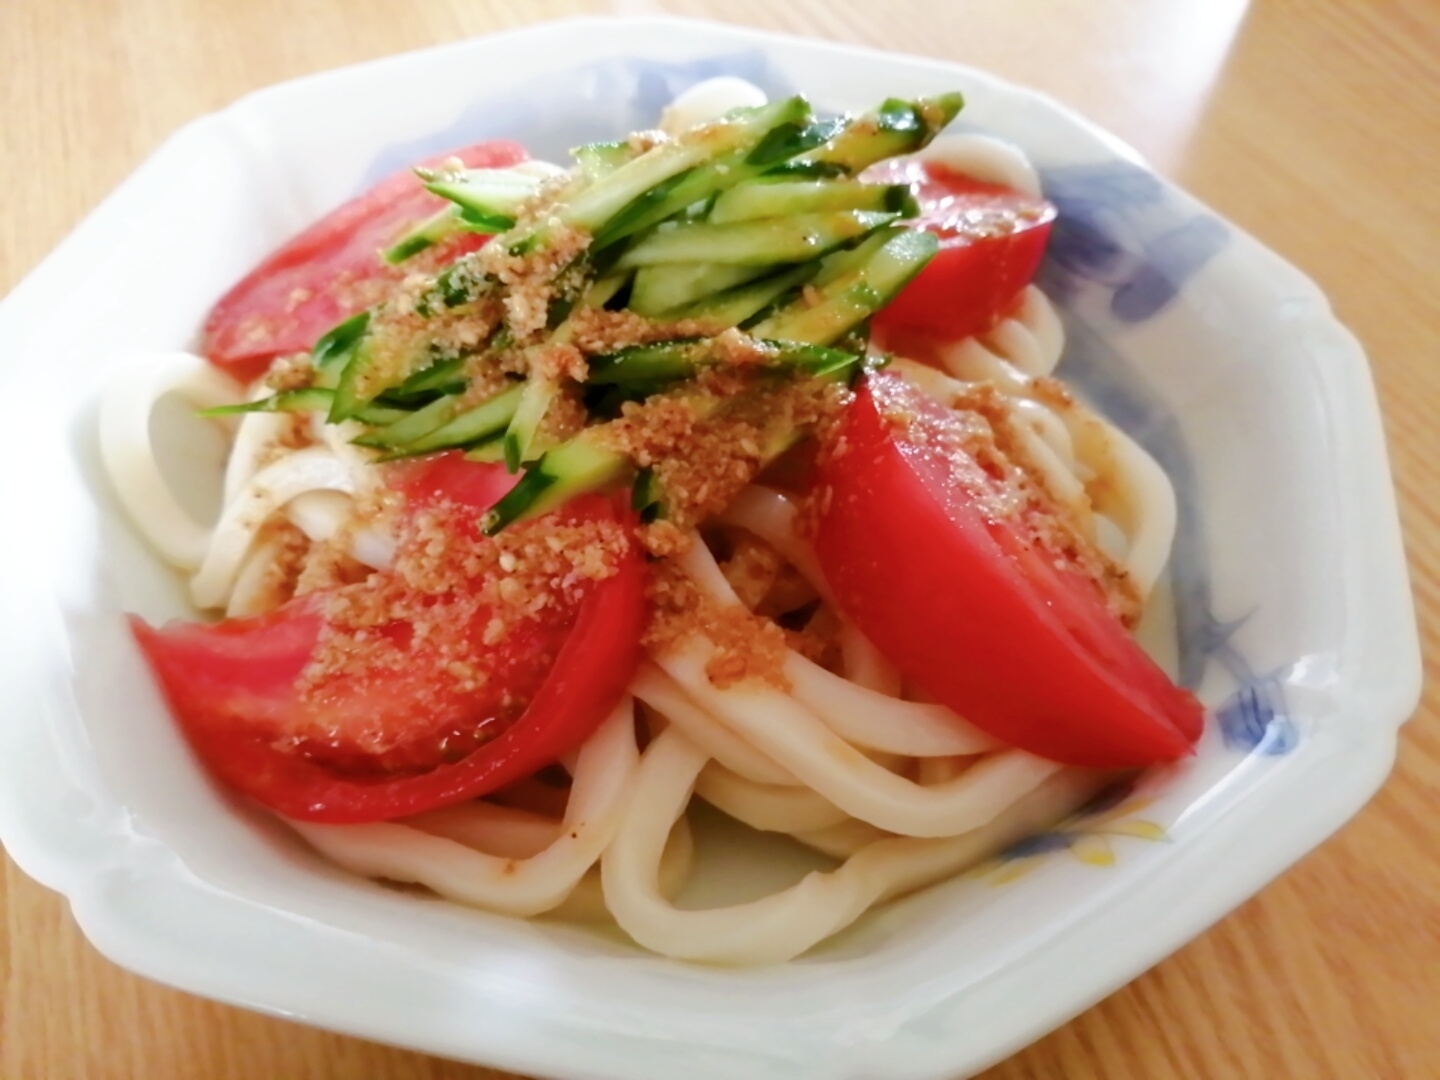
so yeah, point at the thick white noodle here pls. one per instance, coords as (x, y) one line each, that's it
(709, 100)
(767, 807)
(310, 469)
(1135, 494)
(867, 719)
(865, 665)
(773, 517)
(843, 840)
(665, 696)
(254, 592)
(255, 442)
(129, 456)
(785, 924)
(507, 831)
(876, 721)
(1025, 346)
(792, 735)
(983, 158)
(586, 903)
(603, 782)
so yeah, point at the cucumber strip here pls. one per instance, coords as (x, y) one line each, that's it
(307, 399)
(646, 498)
(451, 221)
(304, 399)
(604, 288)
(441, 377)
(819, 361)
(734, 306)
(755, 243)
(742, 129)
(840, 263)
(379, 415)
(850, 298)
(569, 469)
(459, 283)
(414, 426)
(440, 226)
(645, 367)
(491, 450)
(332, 354)
(897, 127)
(489, 196)
(664, 361)
(661, 288)
(372, 372)
(347, 400)
(771, 197)
(599, 159)
(473, 425)
(694, 186)
(524, 427)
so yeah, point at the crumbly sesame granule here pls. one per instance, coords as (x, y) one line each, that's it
(282, 573)
(664, 539)
(328, 565)
(642, 141)
(463, 329)
(752, 567)
(564, 417)
(1052, 392)
(736, 348)
(394, 347)
(746, 646)
(705, 442)
(293, 372)
(554, 361)
(529, 278)
(595, 331)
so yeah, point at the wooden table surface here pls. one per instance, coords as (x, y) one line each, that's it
(1315, 126)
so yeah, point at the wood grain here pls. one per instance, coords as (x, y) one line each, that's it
(1314, 126)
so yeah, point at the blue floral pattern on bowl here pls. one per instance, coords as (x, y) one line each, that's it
(1087, 835)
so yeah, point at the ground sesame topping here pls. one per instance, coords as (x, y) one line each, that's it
(746, 645)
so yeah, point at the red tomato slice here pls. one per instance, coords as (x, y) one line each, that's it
(398, 738)
(969, 611)
(332, 270)
(992, 239)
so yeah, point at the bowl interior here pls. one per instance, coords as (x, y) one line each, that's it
(1183, 331)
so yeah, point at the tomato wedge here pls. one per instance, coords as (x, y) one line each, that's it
(969, 611)
(392, 739)
(992, 239)
(332, 270)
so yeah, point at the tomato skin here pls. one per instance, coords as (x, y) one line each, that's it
(331, 270)
(992, 240)
(975, 617)
(232, 689)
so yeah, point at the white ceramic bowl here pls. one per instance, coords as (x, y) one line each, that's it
(1292, 604)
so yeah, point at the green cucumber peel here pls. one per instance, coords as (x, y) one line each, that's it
(771, 196)
(610, 198)
(570, 469)
(303, 399)
(416, 425)
(762, 242)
